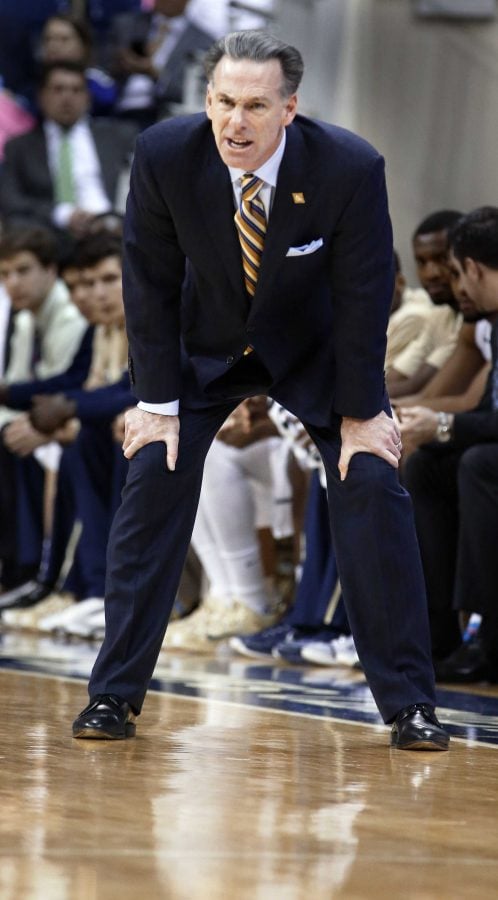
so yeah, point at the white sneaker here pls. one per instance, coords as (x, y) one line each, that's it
(238, 619)
(191, 633)
(29, 619)
(62, 620)
(91, 627)
(339, 652)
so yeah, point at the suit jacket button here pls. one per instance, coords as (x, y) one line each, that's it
(229, 360)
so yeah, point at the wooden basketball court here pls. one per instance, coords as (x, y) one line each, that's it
(245, 782)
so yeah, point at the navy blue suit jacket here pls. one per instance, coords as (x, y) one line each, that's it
(317, 321)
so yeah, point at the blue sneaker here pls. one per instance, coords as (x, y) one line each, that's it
(261, 644)
(291, 648)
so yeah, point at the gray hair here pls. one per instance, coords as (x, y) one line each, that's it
(259, 46)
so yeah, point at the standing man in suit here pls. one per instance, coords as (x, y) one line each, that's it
(259, 259)
(67, 169)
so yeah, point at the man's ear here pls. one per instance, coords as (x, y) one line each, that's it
(290, 110)
(472, 268)
(209, 101)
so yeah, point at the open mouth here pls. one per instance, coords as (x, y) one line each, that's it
(238, 144)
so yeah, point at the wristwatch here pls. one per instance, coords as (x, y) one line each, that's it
(443, 430)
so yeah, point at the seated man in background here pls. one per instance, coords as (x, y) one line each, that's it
(49, 340)
(68, 168)
(453, 479)
(151, 52)
(423, 357)
(93, 466)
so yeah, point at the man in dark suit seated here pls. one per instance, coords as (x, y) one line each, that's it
(259, 260)
(151, 52)
(453, 478)
(68, 168)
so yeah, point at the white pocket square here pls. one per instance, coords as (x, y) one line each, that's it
(306, 248)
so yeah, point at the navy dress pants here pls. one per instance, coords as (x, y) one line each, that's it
(374, 540)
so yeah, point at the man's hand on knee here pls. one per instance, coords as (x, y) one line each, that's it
(143, 428)
(380, 436)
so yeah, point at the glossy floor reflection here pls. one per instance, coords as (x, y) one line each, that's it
(228, 793)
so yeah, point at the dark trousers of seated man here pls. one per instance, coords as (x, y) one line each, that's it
(97, 474)
(21, 517)
(374, 539)
(311, 612)
(455, 497)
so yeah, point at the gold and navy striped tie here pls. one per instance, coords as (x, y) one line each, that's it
(250, 220)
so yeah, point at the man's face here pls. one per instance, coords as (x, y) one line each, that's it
(81, 293)
(64, 99)
(26, 281)
(476, 296)
(247, 110)
(60, 40)
(103, 281)
(431, 258)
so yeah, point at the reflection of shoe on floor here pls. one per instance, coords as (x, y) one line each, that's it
(238, 619)
(339, 652)
(467, 664)
(24, 595)
(262, 643)
(29, 619)
(64, 622)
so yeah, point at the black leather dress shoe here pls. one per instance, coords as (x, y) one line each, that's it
(466, 665)
(107, 717)
(416, 728)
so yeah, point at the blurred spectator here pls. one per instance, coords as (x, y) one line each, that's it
(20, 24)
(425, 356)
(218, 17)
(151, 53)
(48, 344)
(410, 311)
(237, 502)
(67, 169)
(453, 479)
(92, 468)
(67, 38)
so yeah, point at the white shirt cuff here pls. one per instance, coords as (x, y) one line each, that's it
(161, 409)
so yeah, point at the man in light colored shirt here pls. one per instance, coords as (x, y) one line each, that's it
(424, 357)
(48, 341)
(68, 169)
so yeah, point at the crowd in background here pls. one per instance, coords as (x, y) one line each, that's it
(79, 82)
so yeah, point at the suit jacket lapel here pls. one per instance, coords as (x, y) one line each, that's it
(215, 194)
(294, 177)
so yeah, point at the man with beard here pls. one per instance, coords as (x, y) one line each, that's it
(453, 478)
(425, 356)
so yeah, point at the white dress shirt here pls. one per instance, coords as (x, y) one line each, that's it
(268, 173)
(86, 171)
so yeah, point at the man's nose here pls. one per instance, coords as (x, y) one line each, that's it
(237, 116)
(11, 280)
(433, 269)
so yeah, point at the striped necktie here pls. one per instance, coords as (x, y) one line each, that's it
(250, 220)
(64, 178)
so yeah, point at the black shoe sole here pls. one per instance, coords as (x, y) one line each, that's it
(421, 745)
(99, 734)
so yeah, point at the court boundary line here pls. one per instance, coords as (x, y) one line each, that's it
(283, 712)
